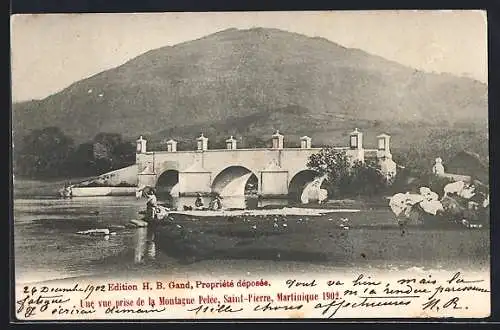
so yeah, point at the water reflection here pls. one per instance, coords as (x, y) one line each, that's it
(228, 202)
(144, 245)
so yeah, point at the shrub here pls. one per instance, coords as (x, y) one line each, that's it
(344, 179)
(334, 165)
(364, 179)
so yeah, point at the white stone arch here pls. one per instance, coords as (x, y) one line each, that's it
(232, 179)
(305, 185)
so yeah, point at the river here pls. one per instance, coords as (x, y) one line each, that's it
(47, 246)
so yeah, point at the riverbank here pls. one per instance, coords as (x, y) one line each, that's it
(343, 238)
(23, 187)
(26, 187)
(364, 203)
(47, 244)
(284, 211)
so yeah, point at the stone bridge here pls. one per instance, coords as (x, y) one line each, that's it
(268, 172)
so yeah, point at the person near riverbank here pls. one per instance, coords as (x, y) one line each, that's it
(67, 191)
(151, 204)
(216, 203)
(199, 202)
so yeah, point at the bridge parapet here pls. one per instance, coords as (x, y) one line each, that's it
(274, 167)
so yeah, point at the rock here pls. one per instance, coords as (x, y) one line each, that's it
(94, 232)
(139, 223)
(117, 227)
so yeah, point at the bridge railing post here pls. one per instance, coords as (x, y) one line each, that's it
(231, 143)
(202, 143)
(356, 151)
(171, 145)
(387, 165)
(305, 142)
(277, 140)
(356, 139)
(141, 145)
(383, 145)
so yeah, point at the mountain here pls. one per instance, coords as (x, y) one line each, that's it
(248, 82)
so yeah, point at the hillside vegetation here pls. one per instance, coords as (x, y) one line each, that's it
(247, 83)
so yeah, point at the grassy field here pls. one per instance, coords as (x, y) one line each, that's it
(368, 236)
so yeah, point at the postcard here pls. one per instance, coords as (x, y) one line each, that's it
(250, 165)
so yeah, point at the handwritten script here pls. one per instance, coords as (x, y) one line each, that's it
(407, 296)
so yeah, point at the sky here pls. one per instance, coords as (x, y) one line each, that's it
(51, 51)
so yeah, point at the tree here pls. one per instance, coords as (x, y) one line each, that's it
(48, 152)
(365, 179)
(82, 160)
(124, 154)
(346, 179)
(110, 140)
(110, 152)
(102, 157)
(332, 164)
(44, 153)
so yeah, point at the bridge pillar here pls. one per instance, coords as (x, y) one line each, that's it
(146, 177)
(195, 180)
(273, 181)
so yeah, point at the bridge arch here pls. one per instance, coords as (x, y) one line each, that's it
(168, 183)
(235, 180)
(305, 185)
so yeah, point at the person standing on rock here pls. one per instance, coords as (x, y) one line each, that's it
(151, 204)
